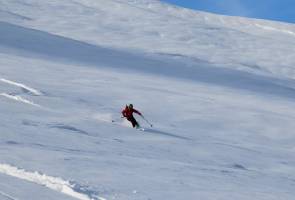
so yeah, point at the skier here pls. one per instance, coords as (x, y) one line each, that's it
(128, 113)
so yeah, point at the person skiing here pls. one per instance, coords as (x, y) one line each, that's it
(128, 114)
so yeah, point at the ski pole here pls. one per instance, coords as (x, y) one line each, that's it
(146, 121)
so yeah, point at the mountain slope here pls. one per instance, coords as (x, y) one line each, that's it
(218, 90)
(251, 45)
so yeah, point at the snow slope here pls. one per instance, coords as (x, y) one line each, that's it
(219, 91)
(251, 45)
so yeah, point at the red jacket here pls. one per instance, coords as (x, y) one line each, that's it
(128, 112)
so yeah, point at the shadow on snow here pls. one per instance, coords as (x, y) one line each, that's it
(165, 134)
(25, 41)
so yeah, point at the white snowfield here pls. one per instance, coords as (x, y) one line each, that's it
(218, 90)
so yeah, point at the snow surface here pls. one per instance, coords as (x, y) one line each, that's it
(219, 91)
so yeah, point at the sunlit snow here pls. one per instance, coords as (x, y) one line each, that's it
(218, 90)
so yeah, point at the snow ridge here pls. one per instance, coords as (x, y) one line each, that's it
(276, 29)
(24, 87)
(19, 98)
(53, 183)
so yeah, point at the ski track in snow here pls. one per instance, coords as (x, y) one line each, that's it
(53, 183)
(108, 118)
(22, 86)
(7, 196)
(20, 99)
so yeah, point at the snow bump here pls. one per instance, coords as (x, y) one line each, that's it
(53, 183)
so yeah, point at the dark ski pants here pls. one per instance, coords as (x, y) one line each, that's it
(133, 121)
